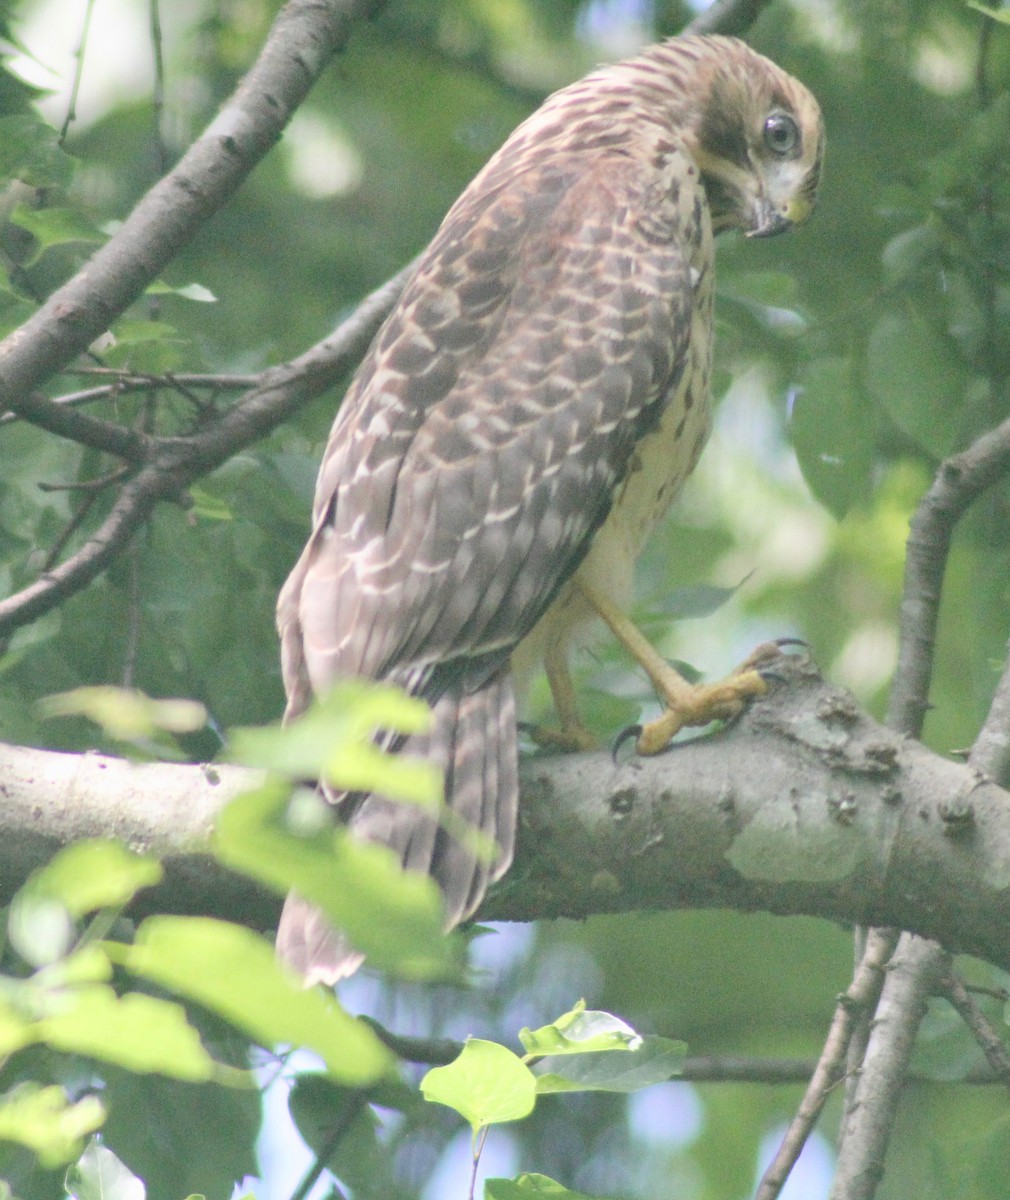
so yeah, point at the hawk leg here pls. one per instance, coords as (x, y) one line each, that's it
(570, 734)
(686, 703)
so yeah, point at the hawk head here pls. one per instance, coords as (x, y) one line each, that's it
(757, 137)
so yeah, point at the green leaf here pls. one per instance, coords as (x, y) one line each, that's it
(29, 151)
(832, 432)
(913, 372)
(654, 1060)
(996, 14)
(148, 346)
(190, 291)
(770, 297)
(54, 227)
(99, 1175)
(529, 1185)
(487, 1084)
(910, 250)
(126, 714)
(141, 1033)
(235, 973)
(42, 1119)
(695, 600)
(81, 878)
(581, 1031)
(92, 874)
(395, 917)
(333, 741)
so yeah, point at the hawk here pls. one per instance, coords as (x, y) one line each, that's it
(521, 422)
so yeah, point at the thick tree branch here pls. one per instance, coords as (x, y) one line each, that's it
(804, 806)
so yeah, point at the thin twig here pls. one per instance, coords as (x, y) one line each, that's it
(964, 1004)
(731, 17)
(76, 520)
(859, 998)
(173, 464)
(914, 970)
(991, 751)
(75, 87)
(355, 1103)
(304, 36)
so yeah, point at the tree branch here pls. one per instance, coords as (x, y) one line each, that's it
(871, 1104)
(959, 482)
(730, 17)
(804, 806)
(174, 464)
(304, 36)
(859, 999)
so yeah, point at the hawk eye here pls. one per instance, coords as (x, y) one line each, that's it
(781, 134)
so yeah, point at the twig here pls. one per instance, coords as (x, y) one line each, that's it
(173, 464)
(354, 1104)
(913, 975)
(303, 38)
(958, 483)
(872, 1101)
(991, 751)
(68, 531)
(731, 17)
(998, 1057)
(75, 88)
(859, 998)
(78, 427)
(125, 383)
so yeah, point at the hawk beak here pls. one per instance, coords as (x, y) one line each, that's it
(769, 220)
(770, 224)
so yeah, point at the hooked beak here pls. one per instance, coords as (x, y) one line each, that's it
(770, 221)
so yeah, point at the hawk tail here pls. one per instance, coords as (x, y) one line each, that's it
(474, 742)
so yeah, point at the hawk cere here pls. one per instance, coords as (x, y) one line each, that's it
(522, 420)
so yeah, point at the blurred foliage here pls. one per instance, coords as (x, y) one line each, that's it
(851, 356)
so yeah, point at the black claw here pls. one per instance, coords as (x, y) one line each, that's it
(630, 731)
(770, 675)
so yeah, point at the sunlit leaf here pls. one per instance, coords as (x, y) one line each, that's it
(81, 878)
(235, 973)
(190, 291)
(487, 1084)
(527, 1186)
(393, 916)
(334, 741)
(996, 14)
(580, 1031)
(42, 1119)
(141, 1033)
(92, 874)
(126, 714)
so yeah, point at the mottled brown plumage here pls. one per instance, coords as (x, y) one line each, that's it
(525, 416)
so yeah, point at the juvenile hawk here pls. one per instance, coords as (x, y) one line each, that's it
(523, 419)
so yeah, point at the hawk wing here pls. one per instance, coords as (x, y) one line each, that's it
(479, 447)
(476, 453)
